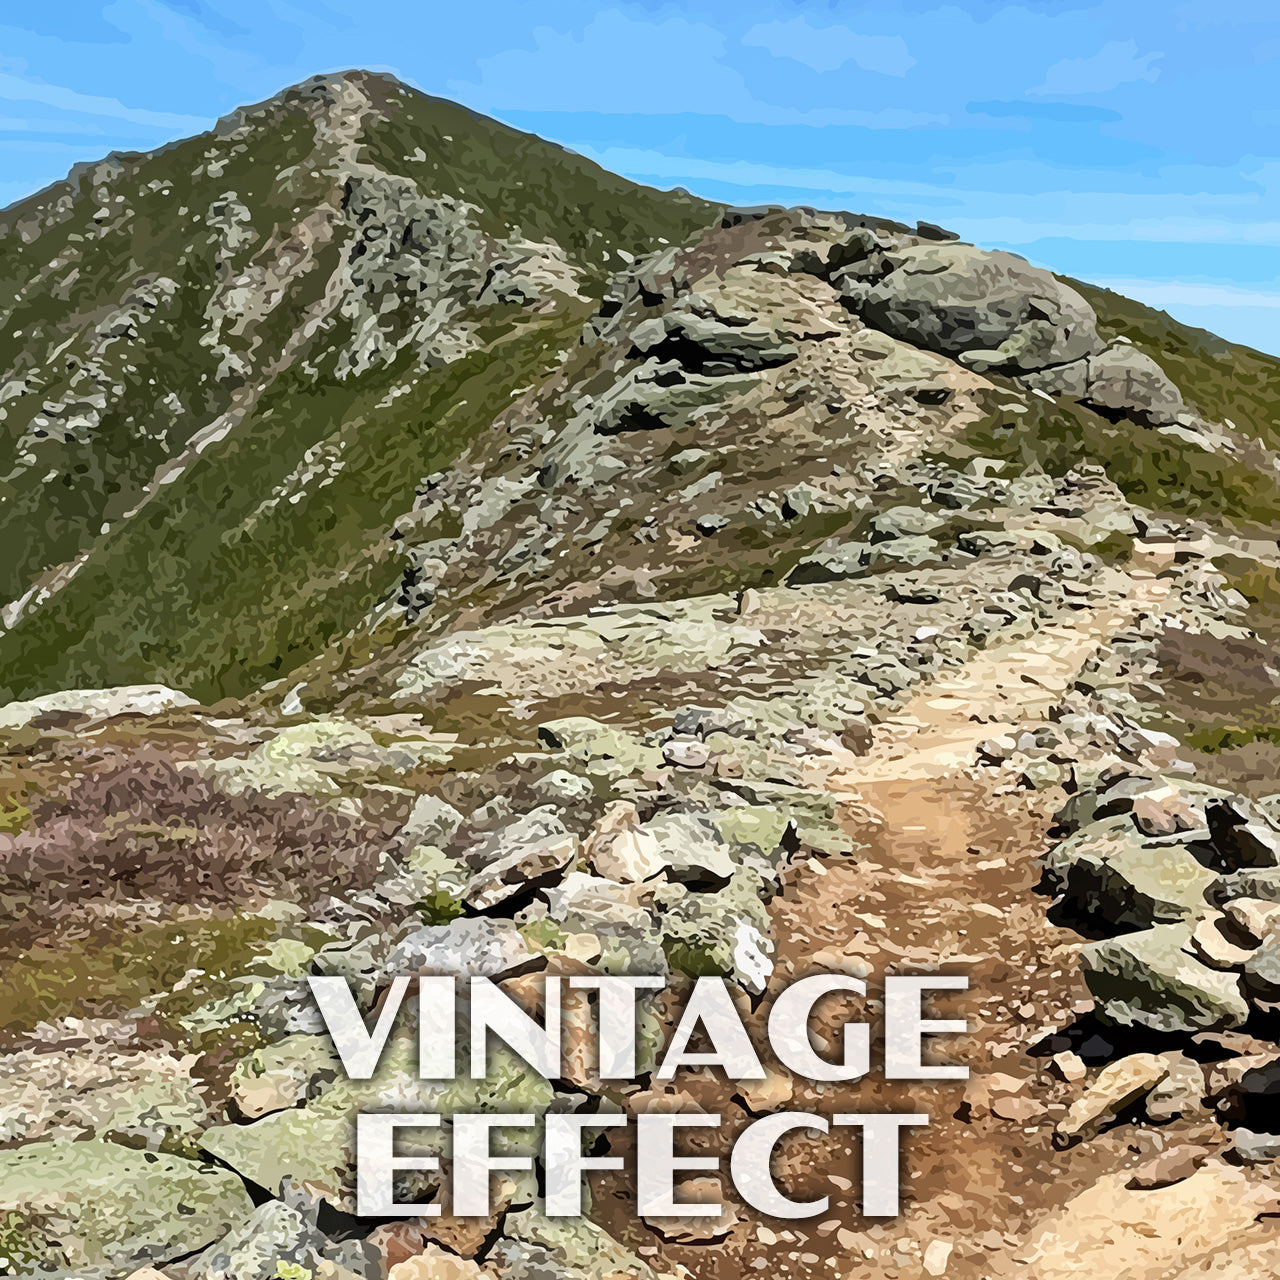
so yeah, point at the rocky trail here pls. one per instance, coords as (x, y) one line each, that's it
(450, 576)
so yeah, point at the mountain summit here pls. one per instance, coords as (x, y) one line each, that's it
(429, 554)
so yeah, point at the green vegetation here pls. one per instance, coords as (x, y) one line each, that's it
(274, 543)
(544, 191)
(1163, 471)
(1223, 380)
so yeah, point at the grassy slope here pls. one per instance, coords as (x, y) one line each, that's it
(215, 588)
(45, 521)
(1163, 472)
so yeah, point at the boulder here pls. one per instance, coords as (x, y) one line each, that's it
(1125, 380)
(318, 757)
(435, 1263)
(535, 1247)
(1107, 872)
(990, 309)
(137, 1095)
(90, 1204)
(1262, 972)
(1148, 979)
(81, 706)
(471, 948)
(314, 1145)
(725, 933)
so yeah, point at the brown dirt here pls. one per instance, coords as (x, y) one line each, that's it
(946, 884)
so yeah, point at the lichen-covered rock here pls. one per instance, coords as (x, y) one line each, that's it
(1110, 874)
(89, 1204)
(535, 1247)
(1148, 979)
(1125, 380)
(610, 752)
(314, 1145)
(101, 1090)
(283, 1074)
(318, 757)
(725, 933)
(518, 856)
(471, 948)
(991, 309)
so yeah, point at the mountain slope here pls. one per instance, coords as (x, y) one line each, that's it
(199, 332)
(609, 583)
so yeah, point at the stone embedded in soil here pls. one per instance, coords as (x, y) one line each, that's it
(471, 948)
(1118, 1086)
(697, 1230)
(89, 1204)
(1109, 873)
(1171, 1165)
(1148, 979)
(1180, 1093)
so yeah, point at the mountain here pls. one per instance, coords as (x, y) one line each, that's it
(431, 554)
(228, 363)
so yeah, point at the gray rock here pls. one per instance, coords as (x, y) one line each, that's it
(1262, 972)
(991, 309)
(832, 561)
(275, 1233)
(1255, 1148)
(710, 345)
(520, 853)
(1109, 873)
(1124, 380)
(1149, 980)
(472, 948)
(691, 849)
(88, 1204)
(431, 821)
(1263, 883)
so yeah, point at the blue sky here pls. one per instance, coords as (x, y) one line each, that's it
(1132, 143)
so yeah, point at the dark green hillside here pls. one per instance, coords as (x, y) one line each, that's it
(307, 285)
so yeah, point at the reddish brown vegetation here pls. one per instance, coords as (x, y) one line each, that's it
(138, 827)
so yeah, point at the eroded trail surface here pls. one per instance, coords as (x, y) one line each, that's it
(946, 883)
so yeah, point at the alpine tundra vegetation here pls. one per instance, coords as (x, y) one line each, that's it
(427, 555)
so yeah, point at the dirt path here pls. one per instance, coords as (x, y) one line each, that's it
(945, 883)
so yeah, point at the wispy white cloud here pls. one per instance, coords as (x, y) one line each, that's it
(1022, 219)
(1116, 63)
(17, 89)
(829, 48)
(1171, 293)
(671, 67)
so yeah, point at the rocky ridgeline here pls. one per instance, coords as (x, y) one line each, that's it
(769, 487)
